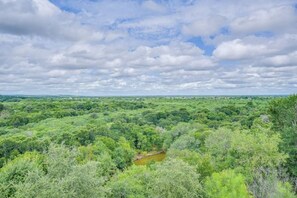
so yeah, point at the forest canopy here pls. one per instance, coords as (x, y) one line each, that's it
(213, 147)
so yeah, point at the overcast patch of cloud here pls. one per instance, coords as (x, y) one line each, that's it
(146, 47)
(41, 18)
(280, 19)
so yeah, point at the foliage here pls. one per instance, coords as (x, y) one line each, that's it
(1, 107)
(63, 177)
(202, 162)
(267, 184)
(284, 117)
(175, 178)
(123, 154)
(130, 183)
(244, 150)
(226, 184)
(15, 172)
(85, 146)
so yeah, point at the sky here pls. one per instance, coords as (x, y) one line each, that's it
(161, 47)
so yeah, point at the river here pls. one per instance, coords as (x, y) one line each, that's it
(146, 159)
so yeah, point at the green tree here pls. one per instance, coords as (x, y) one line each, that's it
(123, 154)
(187, 141)
(16, 171)
(1, 107)
(63, 177)
(267, 184)
(132, 183)
(244, 150)
(226, 184)
(179, 130)
(201, 161)
(284, 190)
(174, 179)
(284, 118)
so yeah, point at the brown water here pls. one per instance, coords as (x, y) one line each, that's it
(145, 160)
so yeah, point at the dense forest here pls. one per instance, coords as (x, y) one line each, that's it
(216, 147)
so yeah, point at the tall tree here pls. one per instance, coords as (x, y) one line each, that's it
(284, 117)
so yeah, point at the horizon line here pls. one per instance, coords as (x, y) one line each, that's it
(144, 95)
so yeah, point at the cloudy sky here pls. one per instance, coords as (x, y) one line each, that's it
(161, 47)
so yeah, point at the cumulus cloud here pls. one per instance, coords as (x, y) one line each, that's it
(148, 47)
(41, 18)
(236, 49)
(277, 19)
(281, 60)
(205, 26)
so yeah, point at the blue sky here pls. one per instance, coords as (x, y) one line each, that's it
(133, 47)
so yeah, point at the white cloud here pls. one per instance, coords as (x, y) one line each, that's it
(41, 18)
(205, 26)
(281, 60)
(151, 5)
(237, 49)
(277, 19)
(149, 47)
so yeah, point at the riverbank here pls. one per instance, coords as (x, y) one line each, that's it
(142, 159)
